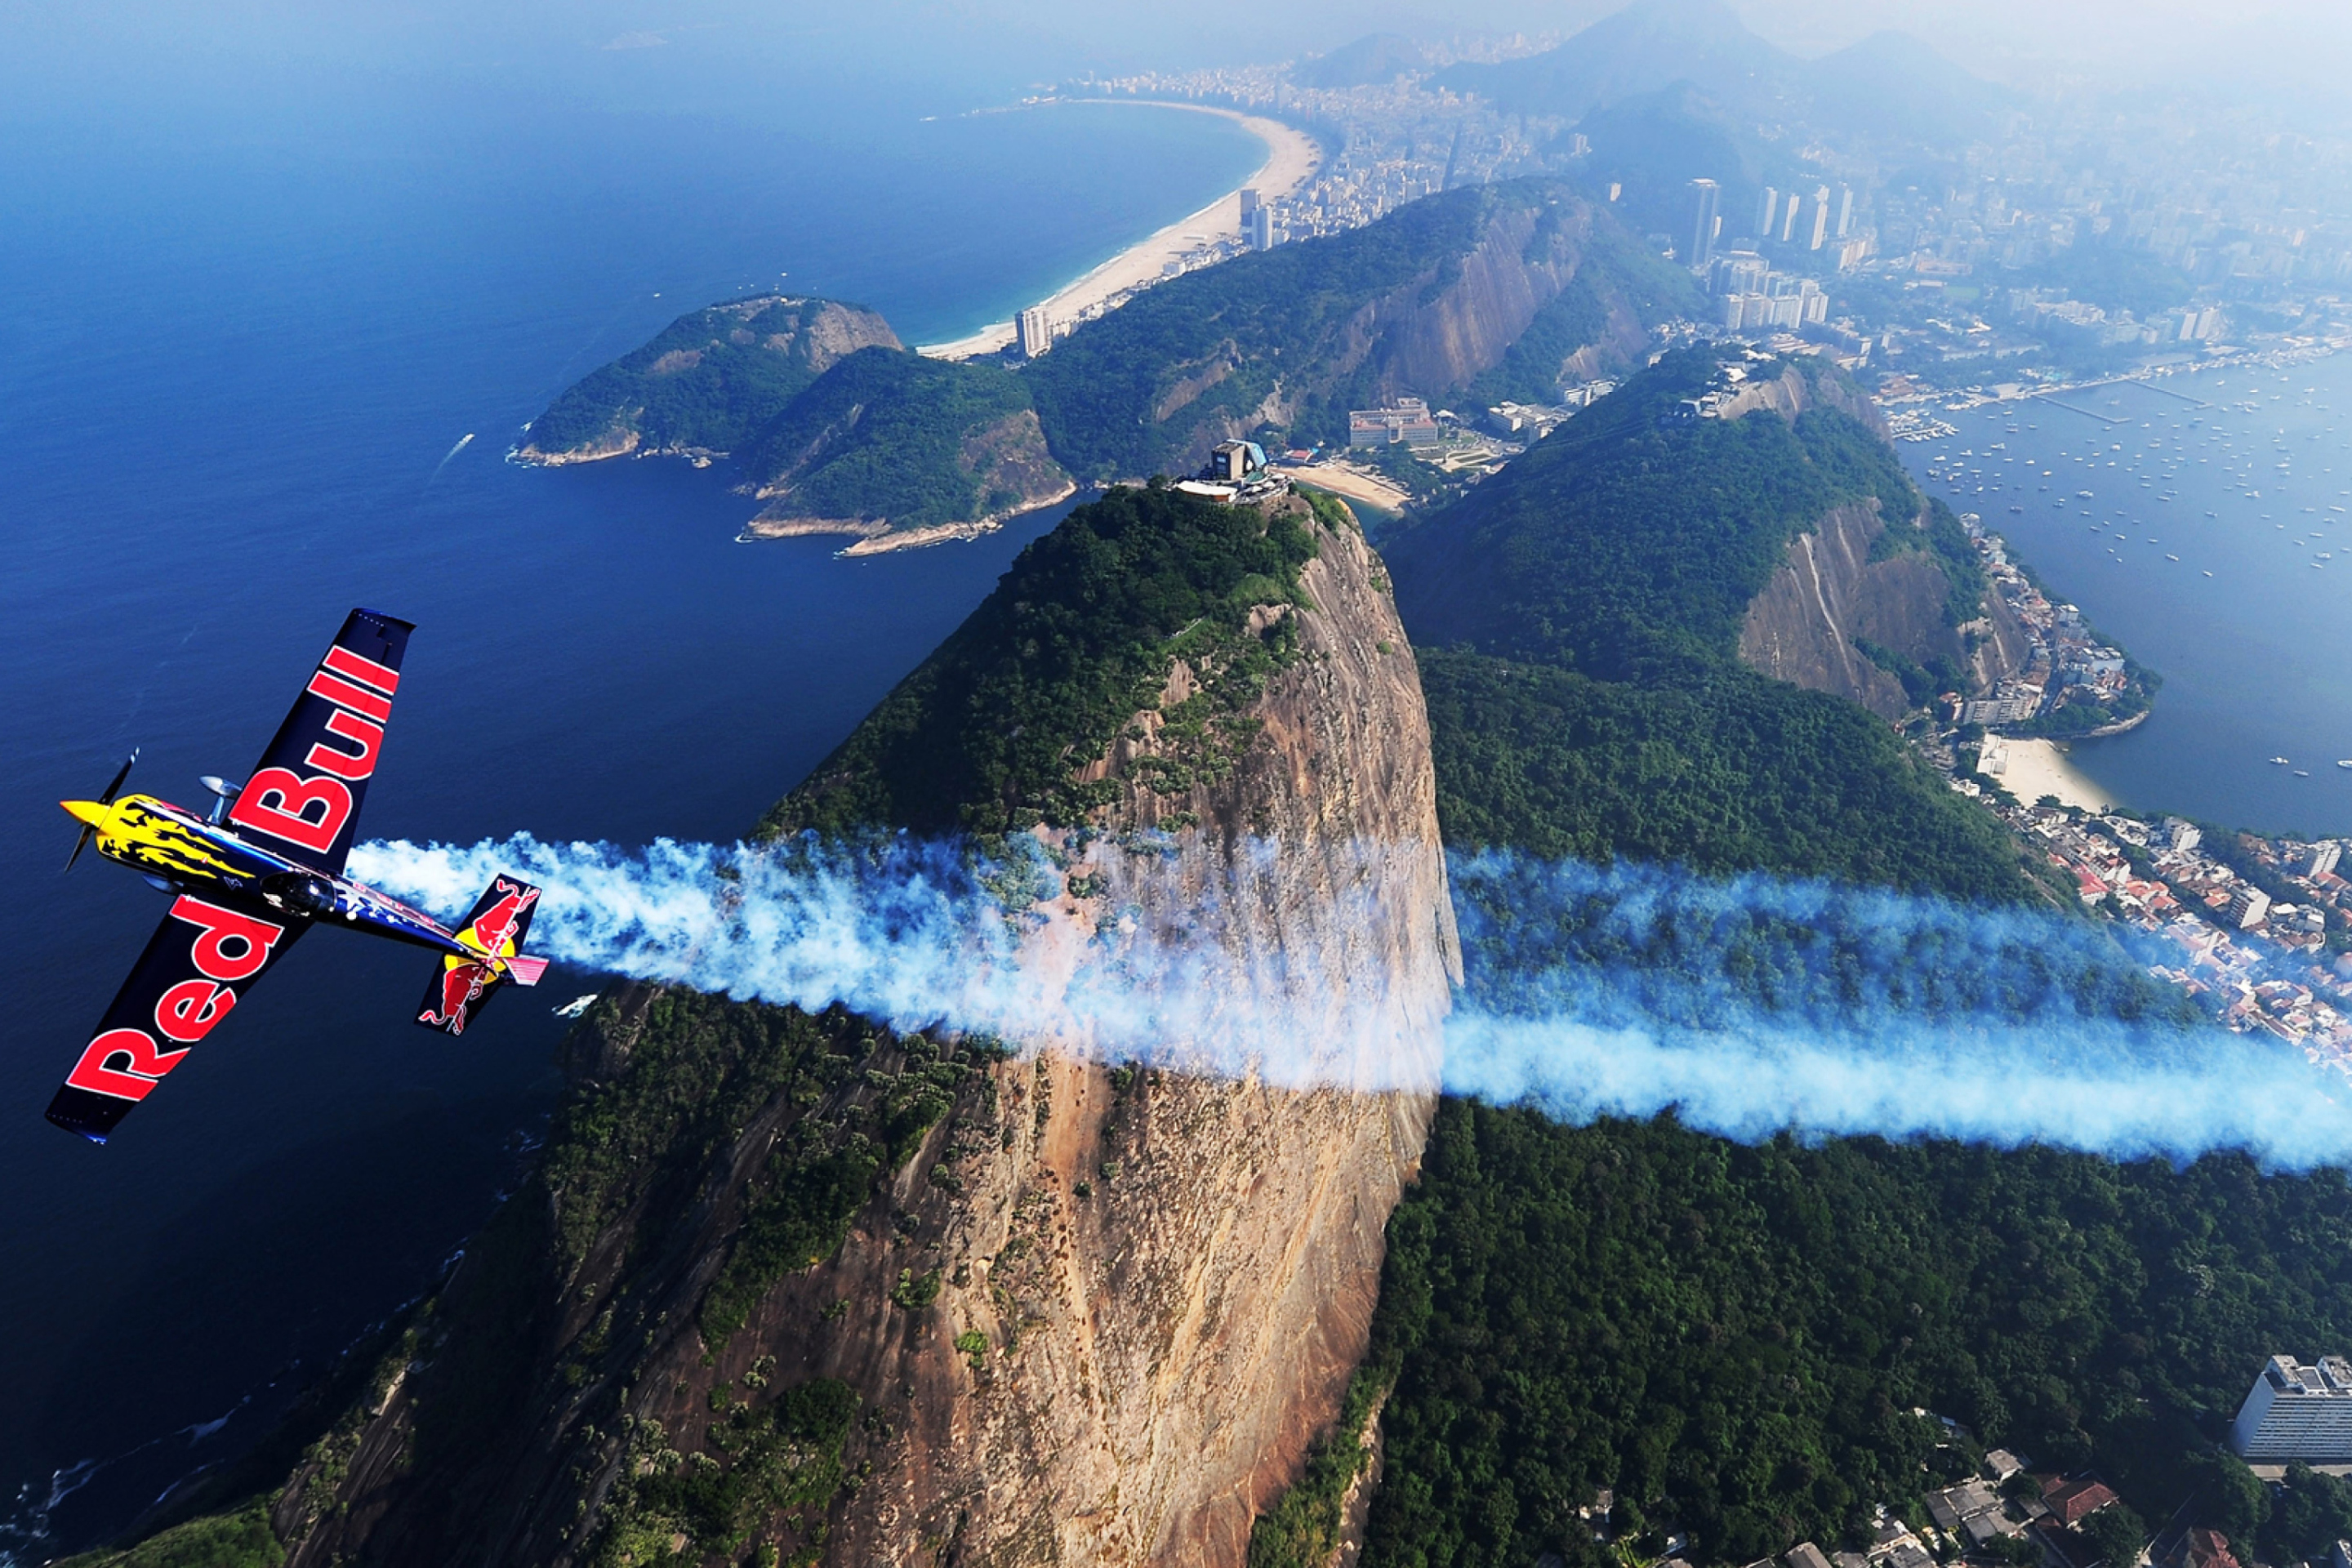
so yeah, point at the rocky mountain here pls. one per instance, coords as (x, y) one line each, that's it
(707, 382)
(1850, 584)
(899, 450)
(837, 430)
(1608, 599)
(802, 1287)
(1889, 89)
(1423, 302)
(1371, 59)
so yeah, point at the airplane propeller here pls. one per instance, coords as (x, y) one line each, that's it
(122, 773)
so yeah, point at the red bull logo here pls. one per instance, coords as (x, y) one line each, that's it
(463, 981)
(493, 930)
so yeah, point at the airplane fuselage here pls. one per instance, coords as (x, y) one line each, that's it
(182, 852)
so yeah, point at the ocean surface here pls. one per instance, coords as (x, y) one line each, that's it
(2202, 521)
(241, 347)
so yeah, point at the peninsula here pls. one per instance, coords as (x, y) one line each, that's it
(1292, 159)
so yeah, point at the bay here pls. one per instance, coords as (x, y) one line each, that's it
(242, 345)
(2214, 543)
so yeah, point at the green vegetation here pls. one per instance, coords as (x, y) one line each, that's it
(1629, 543)
(2080, 718)
(822, 1171)
(709, 379)
(1731, 1338)
(781, 1458)
(890, 434)
(1737, 772)
(1945, 540)
(1302, 1528)
(1079, 636)
(1610, 569)
(1619, 271)
(240, 1540)
(1132, 392)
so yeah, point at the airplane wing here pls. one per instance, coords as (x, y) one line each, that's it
(201, 959)
(304, 795)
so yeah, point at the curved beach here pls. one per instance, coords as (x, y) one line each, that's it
(1292, 160)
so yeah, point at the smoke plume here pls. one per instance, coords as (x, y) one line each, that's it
(1747, 1005)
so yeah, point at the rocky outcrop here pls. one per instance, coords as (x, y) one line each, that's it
(706, 384)
(1830, 595)
(1003, 461)
(1097, 1312)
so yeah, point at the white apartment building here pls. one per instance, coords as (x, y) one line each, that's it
(2297, 1412)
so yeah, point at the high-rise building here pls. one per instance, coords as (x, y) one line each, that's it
(2296, 1412)
(1703, 225)
(1257, 229)
(1845, 211)
(1821, 217)
(1738, 272)
(1250, 205)
(2324, 857)
(1767, 213)
(1789, 217)
(1036, 332)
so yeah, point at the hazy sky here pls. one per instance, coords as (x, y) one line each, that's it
(983, 48)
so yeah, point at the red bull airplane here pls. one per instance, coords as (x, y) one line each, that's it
(260, 869)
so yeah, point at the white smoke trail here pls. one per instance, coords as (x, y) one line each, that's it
(1747, 1005)
(917, 934)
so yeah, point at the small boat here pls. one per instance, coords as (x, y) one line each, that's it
(2300, 774)
(2209, 574)
(2172, 557)
(2345, 763)
(2278, 762)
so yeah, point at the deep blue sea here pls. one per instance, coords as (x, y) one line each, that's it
(239, 345)
(2205, 522)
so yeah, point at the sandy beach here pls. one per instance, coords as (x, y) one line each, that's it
(1292, 159)
(2032, 769)
(1352, 482)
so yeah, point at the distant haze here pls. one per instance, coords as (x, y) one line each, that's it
(703, 54)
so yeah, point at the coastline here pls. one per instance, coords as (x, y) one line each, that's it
(2030, 769)
(1293, 159)
(878, 538)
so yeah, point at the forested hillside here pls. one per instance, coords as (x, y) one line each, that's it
(1425, 301)
(1733, 1340)
(1587, 697)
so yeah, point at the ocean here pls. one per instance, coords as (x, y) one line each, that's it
(2201, 522)
(242, 346)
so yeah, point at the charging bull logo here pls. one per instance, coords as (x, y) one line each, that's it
(494, 932)
(462, 985)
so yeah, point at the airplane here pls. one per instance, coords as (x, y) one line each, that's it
(262, 868)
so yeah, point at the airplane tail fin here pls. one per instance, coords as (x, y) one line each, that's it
(493, 933)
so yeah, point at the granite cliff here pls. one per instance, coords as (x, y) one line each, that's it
(1423, 302)
(1841, 588)
(796, 1286)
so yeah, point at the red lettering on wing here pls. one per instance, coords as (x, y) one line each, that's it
(139, 1065)
(234, 946)
(278, 802)
(343, 694)
(352, 765)
(343, 661)
(187, 1012)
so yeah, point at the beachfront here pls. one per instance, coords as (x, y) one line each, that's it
(1292, 159)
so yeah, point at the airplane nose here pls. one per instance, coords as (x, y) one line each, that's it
(87, 812)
